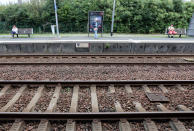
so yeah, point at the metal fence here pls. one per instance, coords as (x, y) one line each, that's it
(66, 27)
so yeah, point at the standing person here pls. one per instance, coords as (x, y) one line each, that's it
(14, 31)
(96, 29)
(171, 30)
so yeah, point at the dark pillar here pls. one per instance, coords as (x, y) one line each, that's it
(190, 31)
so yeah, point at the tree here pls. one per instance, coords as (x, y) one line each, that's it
(131, 16)
(178, 6)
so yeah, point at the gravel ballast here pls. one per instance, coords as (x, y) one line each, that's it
(95, 72)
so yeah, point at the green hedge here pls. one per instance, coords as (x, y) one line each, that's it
(132, 16)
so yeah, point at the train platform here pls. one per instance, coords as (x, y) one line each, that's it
(91, 38)
(130, 44)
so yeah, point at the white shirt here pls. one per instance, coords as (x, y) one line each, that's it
(171, 28)
(15, 30)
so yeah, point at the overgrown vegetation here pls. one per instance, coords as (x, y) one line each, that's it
(132, 16)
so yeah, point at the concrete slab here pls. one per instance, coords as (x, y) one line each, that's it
(40, 48)
(180, 87)
(35, 99)
(118, 107)
(163, 88)
(44, 126)
(123, 123)
(3, 48)
(111, 88)
(161, 107)
(74, 100)
(148, 123)
(68, 48)
(9, 105)
(146, 89)
(96, 125)
(27, 48)
(55, 97)
(177, 125)
(71, 125)
(17, 125)
(13, 48)
(139, 107)
(97, 48)
(94, 99)
(5, 89)
(174, 123)
(183, 108)
(53, 48)
(128, 89)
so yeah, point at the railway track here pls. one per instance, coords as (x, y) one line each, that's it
(96, 59)
(97, 105)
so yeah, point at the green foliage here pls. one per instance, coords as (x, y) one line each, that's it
(131, 16)
(178, 6)
(107, 46)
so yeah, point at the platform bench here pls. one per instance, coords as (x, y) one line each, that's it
(180, 32)
(24, 31)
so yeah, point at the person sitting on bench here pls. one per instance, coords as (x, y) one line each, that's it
(14, 31)
(171, 30)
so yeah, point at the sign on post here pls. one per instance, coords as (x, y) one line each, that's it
(53, 29)
(94, 16)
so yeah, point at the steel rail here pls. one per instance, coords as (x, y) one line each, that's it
(69, 55)
(98, 55)
(99, 115)
(165, 82)
(93, 63)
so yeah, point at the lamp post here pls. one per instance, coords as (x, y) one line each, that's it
(113, 14)
(19, 2)
(56, 16)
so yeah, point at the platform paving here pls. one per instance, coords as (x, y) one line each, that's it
(85, 37)
(131, 44)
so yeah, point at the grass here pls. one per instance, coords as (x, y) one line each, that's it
(91, 34)
(86, 34)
